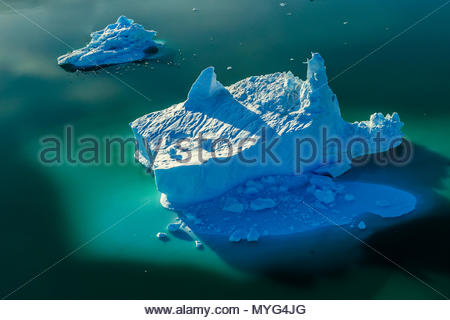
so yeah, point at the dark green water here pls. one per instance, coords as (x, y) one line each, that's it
(48, 211)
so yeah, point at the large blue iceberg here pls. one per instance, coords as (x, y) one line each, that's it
(209, 155)
(120, 42)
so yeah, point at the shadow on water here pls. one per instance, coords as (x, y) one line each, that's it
(32, 239)
(421, 240)
(418, 241)
(182, 235)
(30, 220)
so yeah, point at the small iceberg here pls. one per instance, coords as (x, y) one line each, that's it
(121, 42)
(198, 244)
(362, 225)
(162, 236)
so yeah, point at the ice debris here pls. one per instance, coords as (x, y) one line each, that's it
(297, 210)
(174, 227)
(235, 236)
(325, 196)
(362, 225)
(120, 42)
(321, 181)
(232, 205)
(253, 235)
(262, 203)
(162, 236)
(198, 244)
(334, 169)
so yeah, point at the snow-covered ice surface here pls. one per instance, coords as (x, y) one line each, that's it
(215, 192)
(120, 42)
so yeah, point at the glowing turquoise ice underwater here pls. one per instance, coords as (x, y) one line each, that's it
(48, 211)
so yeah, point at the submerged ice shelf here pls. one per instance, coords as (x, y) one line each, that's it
(120, 42)
(199, 152)
(297, 204)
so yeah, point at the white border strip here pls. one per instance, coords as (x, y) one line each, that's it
(256, 309)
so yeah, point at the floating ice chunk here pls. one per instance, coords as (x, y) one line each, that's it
(233, 205)
(162, 236)
(283, 4)
(120, 42)
(262, 203)
(195, 9)
(334, 169)
(198, 244)
(235, 236)
(321, 181)
(349, 197)
(253, 235)
(173, 227)
(229, 68)
(362, 225)
(324, 196)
